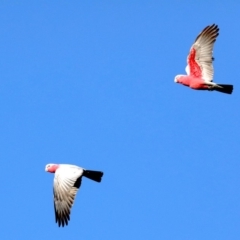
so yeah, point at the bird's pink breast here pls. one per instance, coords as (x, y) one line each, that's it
(197, 83)
(193, 82)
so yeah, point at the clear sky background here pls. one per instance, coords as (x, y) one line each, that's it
(92, 84)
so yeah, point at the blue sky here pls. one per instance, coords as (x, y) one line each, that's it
(91, 84)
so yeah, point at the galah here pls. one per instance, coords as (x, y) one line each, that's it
(67, 181)
(199, 64)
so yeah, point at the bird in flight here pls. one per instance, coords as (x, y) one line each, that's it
(199, 64)
(67, 180)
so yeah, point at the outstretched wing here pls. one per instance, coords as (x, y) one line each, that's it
(200, 57)
(67, 180)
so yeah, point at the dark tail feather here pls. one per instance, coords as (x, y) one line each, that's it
(224, 88)
(93, 175)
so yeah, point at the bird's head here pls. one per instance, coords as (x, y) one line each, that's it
(51, 167)
(177, 79)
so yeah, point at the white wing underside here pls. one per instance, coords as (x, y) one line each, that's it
(187, 70)
(64, 190)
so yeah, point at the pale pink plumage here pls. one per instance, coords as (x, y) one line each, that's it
(67, 181)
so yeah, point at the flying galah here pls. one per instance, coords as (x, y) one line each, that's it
(199, 64)
(66, 182)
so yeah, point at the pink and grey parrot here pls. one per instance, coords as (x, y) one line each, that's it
(67, 181)
(199, 64)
